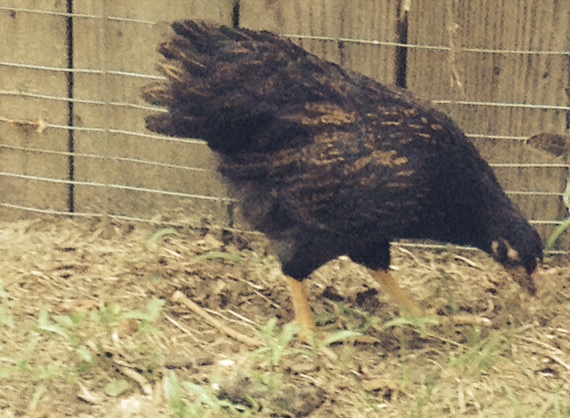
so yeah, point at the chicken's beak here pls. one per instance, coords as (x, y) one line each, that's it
(525, 280)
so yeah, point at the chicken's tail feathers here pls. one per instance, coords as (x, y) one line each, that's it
(221, 80)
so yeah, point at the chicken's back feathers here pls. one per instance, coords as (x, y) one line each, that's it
(230, 87)
(323, 155)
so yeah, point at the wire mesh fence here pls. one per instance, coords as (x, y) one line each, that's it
(72, 135)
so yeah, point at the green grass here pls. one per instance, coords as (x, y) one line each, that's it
(90, 362)
(58, 350)
(77, 334)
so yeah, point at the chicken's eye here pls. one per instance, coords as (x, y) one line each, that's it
(503, 252)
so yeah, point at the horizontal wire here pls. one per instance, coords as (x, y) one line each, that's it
(162, 78)
(492, 136)
(189, 168)
(396, 243)
(107, 158)
(309, 37)
(116, 186)
(190, 140)
(44, 124)
(419, 46)
(78, 15)
(198, 141)
(81, 101)
(434, 246)
(152, 221)
(201, 142)
(86, 214)
(162, 109)
(202, 197)
(80, 70)
(499, 104)
(532, 193)
(529, 165)
(187, 140)
(403, 243)
(545, 222)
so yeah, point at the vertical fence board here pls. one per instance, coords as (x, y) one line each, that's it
(45, 45)
(131, 47)
(358, 20)
(505, 77)
(511, 25)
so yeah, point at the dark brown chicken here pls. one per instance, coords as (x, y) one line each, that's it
(328, 162)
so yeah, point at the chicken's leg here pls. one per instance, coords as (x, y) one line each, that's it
(407, 302)
(303, 313)
(399, 295)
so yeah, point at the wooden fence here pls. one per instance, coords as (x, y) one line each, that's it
(72, 133)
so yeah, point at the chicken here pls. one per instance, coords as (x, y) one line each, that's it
(327, 162)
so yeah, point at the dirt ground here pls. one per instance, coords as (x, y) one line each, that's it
(90, 328)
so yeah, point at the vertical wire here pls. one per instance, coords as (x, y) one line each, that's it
(236, 14)
(70, 107)
(104, 36)
(402, 27)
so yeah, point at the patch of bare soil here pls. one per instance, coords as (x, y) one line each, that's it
(90, 328)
